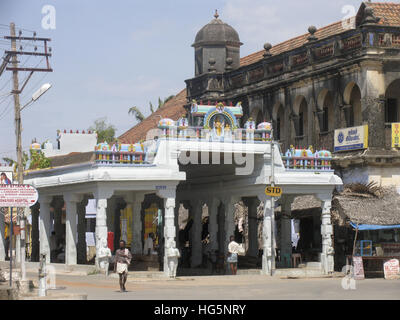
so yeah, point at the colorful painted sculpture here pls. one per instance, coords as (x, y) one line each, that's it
(167, 126)
(306, 159)
(264, 131)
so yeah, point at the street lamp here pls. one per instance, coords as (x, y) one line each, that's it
(38, 94)
(35, 97)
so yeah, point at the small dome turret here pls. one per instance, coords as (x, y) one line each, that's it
(219, 41)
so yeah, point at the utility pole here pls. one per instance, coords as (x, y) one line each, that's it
(18, 126)
(17, 110)
(273, 203)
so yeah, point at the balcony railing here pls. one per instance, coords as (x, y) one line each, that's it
(201, 134)
(126, 154)
(302, 159)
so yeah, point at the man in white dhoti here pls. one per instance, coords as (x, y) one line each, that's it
(122, 261)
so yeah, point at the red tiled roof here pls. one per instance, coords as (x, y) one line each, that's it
(389, 12)
(173, 109)
(332, 29)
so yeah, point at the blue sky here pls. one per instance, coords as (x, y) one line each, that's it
(111, 55)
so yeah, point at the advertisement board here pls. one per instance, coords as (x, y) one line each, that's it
(353, 138)
(395, 135)
(18, 195)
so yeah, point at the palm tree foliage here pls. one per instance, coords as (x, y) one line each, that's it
(135, 111)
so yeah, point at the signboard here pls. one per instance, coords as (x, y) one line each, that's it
(17, 195)
(395, 135)
(391, 269)
(353, 138)
(273, 191)
(358, 268)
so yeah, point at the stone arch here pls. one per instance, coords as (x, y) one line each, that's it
(392, 102)
(278, 116)
(297, 102)
(256, 115)
(300, 110)
(321, 98)
(352, 99)
(325, 104)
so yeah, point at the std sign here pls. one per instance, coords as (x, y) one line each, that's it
(273, 191)
(18, 195)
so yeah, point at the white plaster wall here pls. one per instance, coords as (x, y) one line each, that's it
(73, 142)
(385, 176)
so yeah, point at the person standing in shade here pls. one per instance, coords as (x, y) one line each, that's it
(122, 261)
(233, 249)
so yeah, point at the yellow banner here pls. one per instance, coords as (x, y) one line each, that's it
(126, 224)
(150, 220)
(395, 135)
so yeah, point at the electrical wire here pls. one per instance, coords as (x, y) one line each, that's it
(6, 110)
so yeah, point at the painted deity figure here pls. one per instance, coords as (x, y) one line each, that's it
(104, 256)
(172, 258)
(227, 132)
(218, 127)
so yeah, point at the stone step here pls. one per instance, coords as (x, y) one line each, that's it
(313, 265)
(248, 271)
(298, 273)
(141, 274)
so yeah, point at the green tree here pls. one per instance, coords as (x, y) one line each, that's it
(39, 160)
(105, 132)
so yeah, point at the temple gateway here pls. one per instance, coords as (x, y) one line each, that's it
(308, 115)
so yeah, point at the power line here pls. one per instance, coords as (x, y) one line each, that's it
(18, 28)
(6, 110)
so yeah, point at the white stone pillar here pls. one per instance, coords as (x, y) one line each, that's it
(176, 223)
(101, 219)
(229, 204)
(326, 233)
(137, 247)
(213, 205)
(44, 226)
(286, 232)
(169, 230)
(196, 211)
(71, 201)
(2, 239)
(267, 234)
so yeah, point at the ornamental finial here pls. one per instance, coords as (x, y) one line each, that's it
(216, 15)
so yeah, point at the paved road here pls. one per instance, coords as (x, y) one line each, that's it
(240, 287)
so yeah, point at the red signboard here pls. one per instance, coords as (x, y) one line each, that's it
(17, 195)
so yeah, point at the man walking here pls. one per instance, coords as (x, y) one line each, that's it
(122, 261)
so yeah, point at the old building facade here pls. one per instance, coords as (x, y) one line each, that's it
(340, 76)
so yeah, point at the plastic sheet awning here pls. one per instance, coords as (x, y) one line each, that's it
(362, 227)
